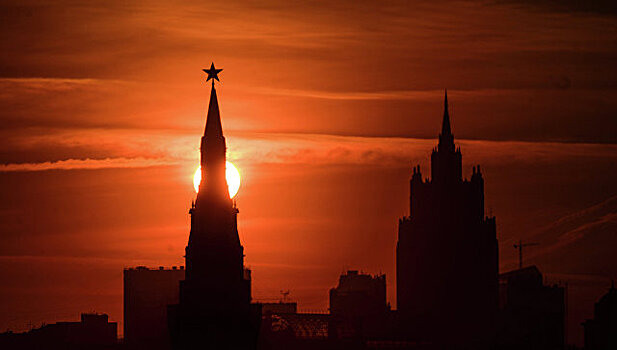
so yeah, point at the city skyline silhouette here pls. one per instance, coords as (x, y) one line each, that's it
(440, 286)
(326, 113)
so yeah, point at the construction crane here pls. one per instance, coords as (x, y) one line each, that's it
(520, 247)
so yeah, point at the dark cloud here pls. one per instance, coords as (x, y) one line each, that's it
(602, 7)
(142, 62)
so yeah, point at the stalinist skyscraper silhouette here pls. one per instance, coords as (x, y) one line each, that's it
(214, 308)
(447, 267)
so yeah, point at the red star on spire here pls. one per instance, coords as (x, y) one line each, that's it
(213, 73)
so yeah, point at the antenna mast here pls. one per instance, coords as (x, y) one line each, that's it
(520, 247)
(285, 294)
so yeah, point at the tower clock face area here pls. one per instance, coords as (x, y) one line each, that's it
(232, 175)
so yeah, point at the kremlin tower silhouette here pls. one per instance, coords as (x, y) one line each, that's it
(447, 254)
(214, 309)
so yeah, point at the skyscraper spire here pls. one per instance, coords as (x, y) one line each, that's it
(446, 139)
(445, 126)
(446, 163)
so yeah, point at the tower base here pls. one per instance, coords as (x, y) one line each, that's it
(192, 328)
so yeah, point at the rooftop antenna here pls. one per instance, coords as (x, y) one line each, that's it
(285, 294)
(520, 247)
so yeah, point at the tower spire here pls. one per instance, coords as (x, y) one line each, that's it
(213, 120)
(213, 148)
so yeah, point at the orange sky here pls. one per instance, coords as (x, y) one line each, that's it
(325, 107)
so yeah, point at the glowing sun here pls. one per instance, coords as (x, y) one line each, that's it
(232, 175)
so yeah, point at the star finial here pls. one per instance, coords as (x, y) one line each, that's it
(213, 73)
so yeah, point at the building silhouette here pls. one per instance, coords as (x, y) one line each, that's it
(358, 306)
(447, 254)
(281, 329)
(532, 315)
(359, 294)
(214, 309)
(147, 293)
(281, 307)
(94, 331)
(601, 330)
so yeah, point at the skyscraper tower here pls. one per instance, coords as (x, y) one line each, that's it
(214, 306)
(447, 268)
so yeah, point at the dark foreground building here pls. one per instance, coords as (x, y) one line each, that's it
(601, 330)
(147, 294)
(359, 294)
(358, 306)
(279, 308)
(532, 315)
(447, 259)
(214, 309)
(93, 332)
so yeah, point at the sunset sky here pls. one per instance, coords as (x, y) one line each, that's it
(325, 106)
